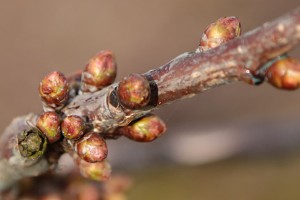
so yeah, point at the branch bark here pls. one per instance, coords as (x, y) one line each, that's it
(184, 76)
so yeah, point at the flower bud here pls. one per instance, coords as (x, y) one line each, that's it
(146, 129)
(49, 124)
(284, 74)
(134, 91)
(91, 148)
(54, 89)
(32, 144)
(100, 71)
(73, 127)
(99, 171)
(219, 32)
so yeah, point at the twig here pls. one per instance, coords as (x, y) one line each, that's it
(186, 75)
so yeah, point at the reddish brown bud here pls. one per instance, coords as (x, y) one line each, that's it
(284, 74)
(54, 89)
(49, 124)
(145, 129)
(92, 148)
(99, 171)
(73, 127)
(134, 91)
(219, 32)
(101, 71)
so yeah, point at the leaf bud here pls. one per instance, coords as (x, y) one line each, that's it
(145, 129)
(134, 91)
(99, 171)
(49, 124)
(54, 89)
(91, 148)
(73, 127)
(284, 74)
(100, 72)
(219, 32)
(31, 143)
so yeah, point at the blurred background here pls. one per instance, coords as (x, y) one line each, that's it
(233, 142)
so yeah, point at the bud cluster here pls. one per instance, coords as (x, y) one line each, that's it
(88, 147)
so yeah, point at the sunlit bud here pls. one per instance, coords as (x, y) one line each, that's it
(284, 74)
(54, 89)
(146, 129)
(134, 91)
(49, 124)
(100, 71)
(99, 171)
(73, 127)
(219, 32)
(91, 148)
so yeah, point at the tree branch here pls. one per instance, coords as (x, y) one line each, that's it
(186, 75)
(193, 72)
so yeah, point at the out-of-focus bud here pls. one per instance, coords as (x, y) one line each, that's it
(73, 127)
(32, 144)
(54, 89)
(99, 171)
(49, 124)
(101, 71)
(284, 74)
(91, 148)
(219, 32)
(146, 129)
(134, 91)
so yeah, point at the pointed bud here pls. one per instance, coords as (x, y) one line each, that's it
(99, 171)
(146, 129)
(32, 144)
(49, 124)
(134, 91)
(73, 127)
(101, 71)
(284, 74)
(54, 89)
(91, 148)
(219, 32)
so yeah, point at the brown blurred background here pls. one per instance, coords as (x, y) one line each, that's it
(37, 37)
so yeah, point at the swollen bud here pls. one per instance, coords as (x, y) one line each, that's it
(99, 171)
(146, 129)
(284, 74)
(100, 71)
(219, 32)
(91, 148)
(54, 89)
(49, 124)
(134, 91)
(32, 144)
(73, 127)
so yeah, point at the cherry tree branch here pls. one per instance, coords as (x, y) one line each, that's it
(183, 77)
(194, 72)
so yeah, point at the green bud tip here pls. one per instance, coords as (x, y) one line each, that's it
(49, 124)
(100, 71)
